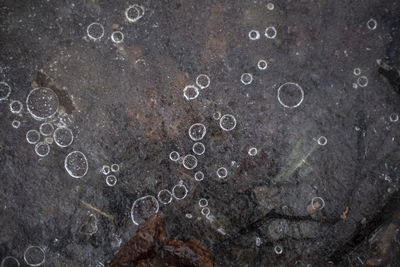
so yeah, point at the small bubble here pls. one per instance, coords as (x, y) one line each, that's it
(16, 106)
(42, 149)
(203, 81)
(278, 250)
(95, 31)
(362, 81)
(164, 196)
(253, 151)
(270, 6)
(246, 78)
(190, 162)
(179, 191)
(205, 211)
(190, 92)
(254, 35)
(16, 124)
(357, 71)
(372, 24)
(203, 202)
(317, 203)
(222, 172)
(322, 141)
(197, 131)
(394, 117)
(111, 180)
(227, 122)
(270, 32)
(115, 167)
(199, 176)
(262, 64)
(198, 148)
(32, 136)
(117, 37)
(174, 156)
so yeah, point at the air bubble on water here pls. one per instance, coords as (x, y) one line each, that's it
(189, 162)
(222, 172)
(34, 256)
(76, 164)
(5, 90)
(179, 191)
(95, 31)
(111, 180)
(63, 136)
(143, 208)
(16, 106)
(227, 122)
(197, 131)
(190, 92)
(199, 176)
(164, 196)
(42, 149)
(198, 148)
(42, 103)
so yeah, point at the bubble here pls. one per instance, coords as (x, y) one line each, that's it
(372, 24)
(317, 203)
(357, 71)
(362, 81)
(222, 172)
(189, 216)
(278, 250)
(117, 37)
(203, 81)
(105, 169)
(115, 167)
(5, 90)
(246, 78)
(197, 131)
(227, 122)
(270, 6)
(322, 141)
(48, 140)
(42, 149)
(217, 115)
(143, 208)
(90, 227)
(355, 85)
(95, 31)
(205, 211)
(111, 180)
(198, 148)
(270, 32)
(262, 64)
(394, 117)
(42, 103)
(32, 136)
(63, 136)
(165, 196)
(253, 151)
(76, 164)
(199, 176)
(15, 124)
(190, 162)
(290, 95)
(16, 106)
(254, 35)
(179, 191)
(46, 128)
(190, 92)
(34, 256)
(203, 202)
(134, 12)
(10, 261)
(174, 156)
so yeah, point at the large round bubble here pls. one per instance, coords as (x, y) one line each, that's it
(42, 103)
(76, 164)
(143, 208)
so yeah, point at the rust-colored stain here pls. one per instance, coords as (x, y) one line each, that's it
(344, 215)
(150, 247)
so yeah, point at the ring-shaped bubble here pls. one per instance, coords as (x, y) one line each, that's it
(143, 208)
(38, 253)
(287, 85)
(76, 164)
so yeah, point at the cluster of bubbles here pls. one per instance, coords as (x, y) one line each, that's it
(146, 206)
(191, 92)
(270, 33)
(111, 179)
(247, 78)
(361, 81)
(95, 31)
(33, 256)
(205, 210)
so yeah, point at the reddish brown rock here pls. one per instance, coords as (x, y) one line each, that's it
(149, 247)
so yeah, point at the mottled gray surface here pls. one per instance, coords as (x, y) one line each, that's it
(124, 103)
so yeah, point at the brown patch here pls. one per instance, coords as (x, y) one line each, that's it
(114, 26)
(149, 247)
(383, 244)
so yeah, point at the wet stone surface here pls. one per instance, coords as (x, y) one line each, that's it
(299, 101)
